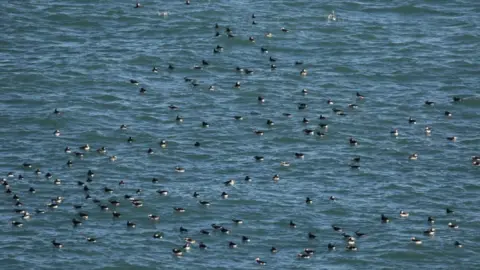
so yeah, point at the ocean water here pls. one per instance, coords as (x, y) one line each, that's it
(79, 56)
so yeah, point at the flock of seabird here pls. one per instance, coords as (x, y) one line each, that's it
(350, 240)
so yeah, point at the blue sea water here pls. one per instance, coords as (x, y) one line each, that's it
(79, 57)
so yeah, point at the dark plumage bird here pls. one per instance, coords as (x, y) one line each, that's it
(452, 225)
(336, 228)
(153, 217)
(309, 131)
(162, 192)
(131, 224)
(91, 240)
(353, 141)
(114, 202)
(302, 106)
(351, 248)
(359, 234)
(453, 138)
(292, 225)
(308, 251)
(17, 224)
(57, 244)
(429, 103)
(260, 262)
(237, 221)
(303, 256)
(430, 231)
(216, 227)
(177, 252)
(27, 165)
(384, 218)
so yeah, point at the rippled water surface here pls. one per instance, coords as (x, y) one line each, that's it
(79, 56)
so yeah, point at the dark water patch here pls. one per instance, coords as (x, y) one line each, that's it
(411, 10)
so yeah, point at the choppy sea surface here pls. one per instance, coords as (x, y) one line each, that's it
(79, 57)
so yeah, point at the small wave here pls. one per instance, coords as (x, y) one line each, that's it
(467, 38)
(343, 69)
(407, 10)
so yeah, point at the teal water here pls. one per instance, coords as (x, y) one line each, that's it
(78, 56)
